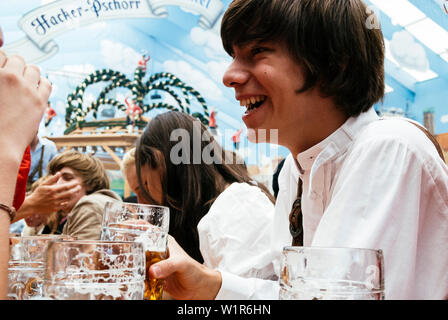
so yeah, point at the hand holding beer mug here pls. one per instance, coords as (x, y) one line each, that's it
(147, 224)
(316, 273)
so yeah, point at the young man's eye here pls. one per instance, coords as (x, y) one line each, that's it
(257, 50)
(67, 177)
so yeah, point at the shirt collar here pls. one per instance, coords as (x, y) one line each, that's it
(337, 142)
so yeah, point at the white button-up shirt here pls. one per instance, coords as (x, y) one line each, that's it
(235, 233)
(371, 184)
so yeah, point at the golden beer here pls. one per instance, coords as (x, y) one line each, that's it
(153, 287)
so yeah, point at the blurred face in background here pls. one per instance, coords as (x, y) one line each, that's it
(153, 184)
(68, 175)
(130, 174)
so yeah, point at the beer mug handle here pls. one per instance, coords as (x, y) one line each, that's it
(34, 287)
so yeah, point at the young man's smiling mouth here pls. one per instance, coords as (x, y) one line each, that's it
(252, 103)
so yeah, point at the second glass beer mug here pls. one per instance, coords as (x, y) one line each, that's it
(26, 265)
(147, 224)
(94, 270)
(316, 273)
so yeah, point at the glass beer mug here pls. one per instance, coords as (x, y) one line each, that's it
(94, 270)
(26, 265)
(316, 273)
(147, 224)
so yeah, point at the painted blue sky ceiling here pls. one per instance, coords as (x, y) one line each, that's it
(182, 40)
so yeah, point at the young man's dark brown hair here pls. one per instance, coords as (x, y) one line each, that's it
(330, 39)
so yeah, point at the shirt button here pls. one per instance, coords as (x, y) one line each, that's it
(314, 195)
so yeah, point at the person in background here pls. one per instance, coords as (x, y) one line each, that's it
(50, 113)
(130, 175)
(36, 223)
(133, 113)
(213, 126)
(363, 182)
(50, 195)
(236, 139)
(218, 214)
(42, 151)
(85, 208)
(20, 191)
(23, 98)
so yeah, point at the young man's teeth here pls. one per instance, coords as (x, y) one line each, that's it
(249, 102)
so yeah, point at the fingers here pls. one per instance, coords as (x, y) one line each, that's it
(176, 262)
(66, 187)
(52, 179)
(2, 58)
(163, 269)
(44, 88)
(66, 196)
(15, 64)
(31, 74)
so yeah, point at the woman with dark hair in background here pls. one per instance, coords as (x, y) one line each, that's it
(219, 215)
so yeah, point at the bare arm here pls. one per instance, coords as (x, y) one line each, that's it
(9, 167)
(23, 98)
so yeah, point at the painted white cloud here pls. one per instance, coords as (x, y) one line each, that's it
(88, 99)
(217, 69)
(210, 41)
(213, 49)
(119, 57)
(408, 52)
(58, 127)
(59, 107)
(98, 26)
(76, 73)
(194, 78)
(444, 118)
(79, 68)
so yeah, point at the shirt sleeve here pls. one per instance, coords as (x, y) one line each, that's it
(234, 287)
(234, 235)
(386, 198)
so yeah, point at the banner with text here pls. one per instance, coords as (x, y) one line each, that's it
(42, 24)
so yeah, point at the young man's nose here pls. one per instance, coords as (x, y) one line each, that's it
(235, 75)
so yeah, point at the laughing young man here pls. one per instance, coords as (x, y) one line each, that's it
(315, 69)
